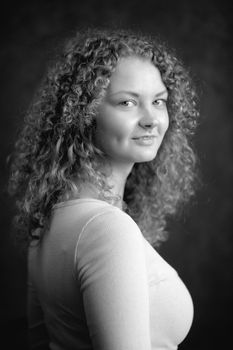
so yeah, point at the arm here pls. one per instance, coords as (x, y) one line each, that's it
(111, 269)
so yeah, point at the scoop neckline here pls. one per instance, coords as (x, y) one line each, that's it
(71, 202)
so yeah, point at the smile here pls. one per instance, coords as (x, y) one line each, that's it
(146, 137)
(145, 140)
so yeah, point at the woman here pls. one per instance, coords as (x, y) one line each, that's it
(102, 160)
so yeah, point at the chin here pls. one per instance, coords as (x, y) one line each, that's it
(134, 157)
(145, 158)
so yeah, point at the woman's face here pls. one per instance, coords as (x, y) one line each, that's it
(132, 119)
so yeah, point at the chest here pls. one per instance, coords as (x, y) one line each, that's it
(171, 307)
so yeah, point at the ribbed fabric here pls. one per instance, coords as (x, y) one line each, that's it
(96, 283)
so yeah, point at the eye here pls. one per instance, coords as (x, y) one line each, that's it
(160, 102)
(127, 103)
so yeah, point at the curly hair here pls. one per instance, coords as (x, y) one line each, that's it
(55, 146)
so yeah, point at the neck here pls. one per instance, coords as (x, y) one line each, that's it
(116, 180)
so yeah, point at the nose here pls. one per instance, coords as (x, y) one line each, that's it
(149, 124)
(148, 121)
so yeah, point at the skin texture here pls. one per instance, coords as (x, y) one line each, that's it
(134, 106)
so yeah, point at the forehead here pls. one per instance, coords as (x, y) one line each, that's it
(136, 73)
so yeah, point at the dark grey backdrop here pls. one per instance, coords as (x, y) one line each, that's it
(200, 246)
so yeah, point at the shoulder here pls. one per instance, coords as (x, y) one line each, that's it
(108, 232)
(109, 215)
(109, 221)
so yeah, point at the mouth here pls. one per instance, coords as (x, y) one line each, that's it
(145, 137)
(145, 140)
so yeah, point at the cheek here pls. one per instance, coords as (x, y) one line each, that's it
(110, 136)
(113, 127)
(165, 123)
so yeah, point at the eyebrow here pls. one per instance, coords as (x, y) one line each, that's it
(137, 95)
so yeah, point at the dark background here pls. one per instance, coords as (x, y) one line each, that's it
(200, 245)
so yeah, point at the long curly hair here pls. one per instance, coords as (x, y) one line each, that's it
(55, 147)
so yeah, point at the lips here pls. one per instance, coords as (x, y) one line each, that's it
(145, 140)
(144, 137)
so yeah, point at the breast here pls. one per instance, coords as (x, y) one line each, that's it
(171, 306)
